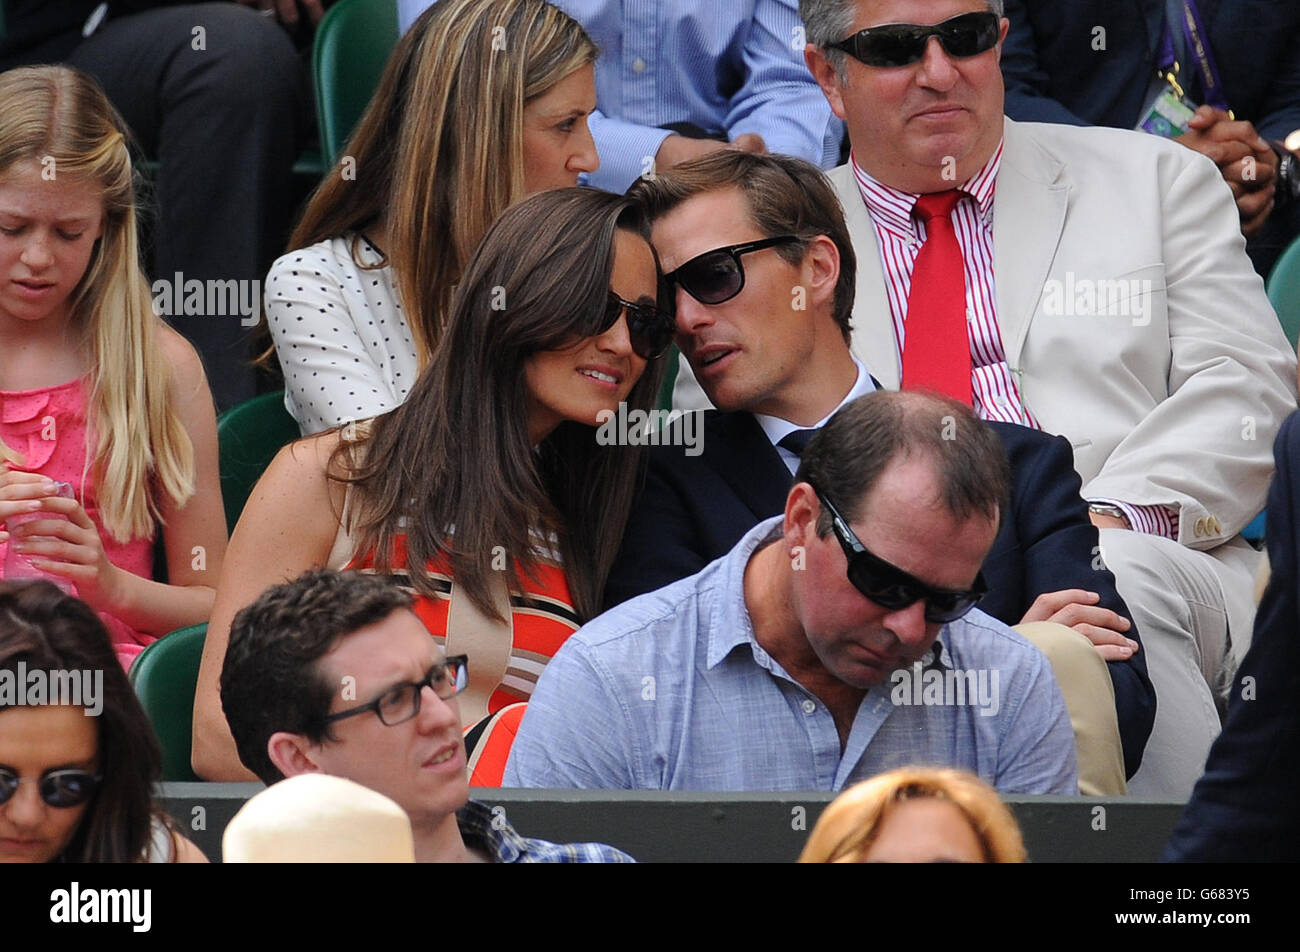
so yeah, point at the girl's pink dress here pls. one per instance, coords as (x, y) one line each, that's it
(48, 427)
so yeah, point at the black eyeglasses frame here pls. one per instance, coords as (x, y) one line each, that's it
(459, 662)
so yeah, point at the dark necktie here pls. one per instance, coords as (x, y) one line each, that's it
(796, 440)
(936, 343)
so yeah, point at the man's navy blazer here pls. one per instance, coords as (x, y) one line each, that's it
(1057, 69)
(693, 509)
(1244, 808)
(1055, 72)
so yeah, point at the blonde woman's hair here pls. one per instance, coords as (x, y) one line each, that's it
(440, 146)
(849, 826)
(60, 118)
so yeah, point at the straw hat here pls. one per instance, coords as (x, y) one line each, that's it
(316, 818)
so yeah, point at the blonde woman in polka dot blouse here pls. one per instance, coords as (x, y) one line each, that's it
(458, 130)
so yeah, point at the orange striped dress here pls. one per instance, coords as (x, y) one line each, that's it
(542, 618)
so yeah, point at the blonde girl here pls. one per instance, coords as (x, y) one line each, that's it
(98, 398)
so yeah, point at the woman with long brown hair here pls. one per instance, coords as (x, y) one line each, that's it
(482, 103)
(488, 491)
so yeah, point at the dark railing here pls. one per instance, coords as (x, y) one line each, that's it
(735, 827)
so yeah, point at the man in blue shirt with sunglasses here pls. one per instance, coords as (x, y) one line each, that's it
(834, 642)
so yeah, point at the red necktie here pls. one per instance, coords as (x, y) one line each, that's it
(936, 344)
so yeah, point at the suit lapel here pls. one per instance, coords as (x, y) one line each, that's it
(739, 451)
(873, 325)
(1028, 217)
(1153, 15)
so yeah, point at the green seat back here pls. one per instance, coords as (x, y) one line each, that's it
(1284, 290)
(672, 359)
(310, 165)
(248, 437)
(348, 56)
(164, 676)
(1284, 294)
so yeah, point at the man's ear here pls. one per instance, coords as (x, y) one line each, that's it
(821, 270)
(292, 754)
(801, 511)
(826, 77)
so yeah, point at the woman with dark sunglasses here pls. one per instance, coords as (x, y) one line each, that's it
(76, 779)
(488, 491)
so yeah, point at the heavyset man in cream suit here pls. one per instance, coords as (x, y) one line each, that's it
(1131, 323)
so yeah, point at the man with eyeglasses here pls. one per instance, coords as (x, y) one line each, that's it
(833, 642)
(1088, 282)
(334, 673)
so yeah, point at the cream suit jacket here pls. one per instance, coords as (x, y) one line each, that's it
(1132, 322)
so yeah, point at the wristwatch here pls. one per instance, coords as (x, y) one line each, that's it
(1288, 170)
(1106, 509)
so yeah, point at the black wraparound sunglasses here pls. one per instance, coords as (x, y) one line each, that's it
(58, 788)
(717, 276)
(649, 329)
(890, 587)
(901, 44)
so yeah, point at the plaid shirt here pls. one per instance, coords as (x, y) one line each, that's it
(480, 828)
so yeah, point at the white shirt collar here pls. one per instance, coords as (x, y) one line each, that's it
(777, 429)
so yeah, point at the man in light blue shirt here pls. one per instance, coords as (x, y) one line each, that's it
(823, 648)
(733, 71)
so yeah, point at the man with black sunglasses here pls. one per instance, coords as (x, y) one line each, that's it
(1087, 282)
(776, 372)
(822, 649)
(334, 673)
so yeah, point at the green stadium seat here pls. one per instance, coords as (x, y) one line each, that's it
(164, 676)
(351, 47)
(672, 359)
(248, 437)
(1283, 287)
(1284, 290)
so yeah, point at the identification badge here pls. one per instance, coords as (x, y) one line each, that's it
(1168, 115)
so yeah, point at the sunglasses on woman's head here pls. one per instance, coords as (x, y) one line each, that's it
(901, 44)
(717, 276)
(890, 587)
(649, 329)
(58, 788)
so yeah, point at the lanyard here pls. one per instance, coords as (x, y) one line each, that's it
(1198, 49)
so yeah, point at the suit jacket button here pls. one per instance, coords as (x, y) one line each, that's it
(1199, 530)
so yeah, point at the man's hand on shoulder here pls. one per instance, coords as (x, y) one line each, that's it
(1245, 160)
(1079, 610)
(749, 142)
(676, 149)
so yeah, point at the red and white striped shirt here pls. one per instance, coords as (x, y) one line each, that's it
(899, 236)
